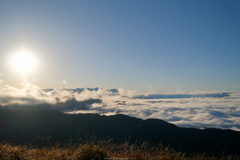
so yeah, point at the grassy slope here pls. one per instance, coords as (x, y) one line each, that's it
(99, 150)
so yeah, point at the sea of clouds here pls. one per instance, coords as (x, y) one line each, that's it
(186, 109)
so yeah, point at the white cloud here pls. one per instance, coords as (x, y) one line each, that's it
(150, 88)
(64, 82)
(34, 80)
(196, 109)
(1, 74)
(1, 81)
(222, 112)
(31, 94)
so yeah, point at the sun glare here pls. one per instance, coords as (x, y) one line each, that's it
(23, 61)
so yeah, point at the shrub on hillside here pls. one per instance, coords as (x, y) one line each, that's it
(92, 152)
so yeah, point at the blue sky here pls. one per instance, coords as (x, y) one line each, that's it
(137, 45)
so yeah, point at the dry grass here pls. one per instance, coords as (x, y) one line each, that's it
(97, 150)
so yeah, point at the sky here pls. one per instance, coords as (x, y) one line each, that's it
(138, 45)
(171, 60)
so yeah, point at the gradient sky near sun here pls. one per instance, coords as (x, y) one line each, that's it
(138, 45)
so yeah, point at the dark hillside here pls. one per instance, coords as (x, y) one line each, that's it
(26, 125)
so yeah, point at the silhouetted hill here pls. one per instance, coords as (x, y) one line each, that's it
(24, 125)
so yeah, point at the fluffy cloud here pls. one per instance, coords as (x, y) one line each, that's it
(31, 94)
(196, 109)
(1, 81)
(209, 109)
(65, 82)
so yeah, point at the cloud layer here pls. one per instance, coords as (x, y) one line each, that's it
(195, 109)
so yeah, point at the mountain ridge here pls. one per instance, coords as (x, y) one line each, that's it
(24, 125)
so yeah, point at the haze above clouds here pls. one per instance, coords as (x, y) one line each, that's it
(187, 109)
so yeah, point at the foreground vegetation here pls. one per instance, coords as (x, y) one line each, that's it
(97, 150)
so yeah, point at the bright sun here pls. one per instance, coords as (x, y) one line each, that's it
(23, 61)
